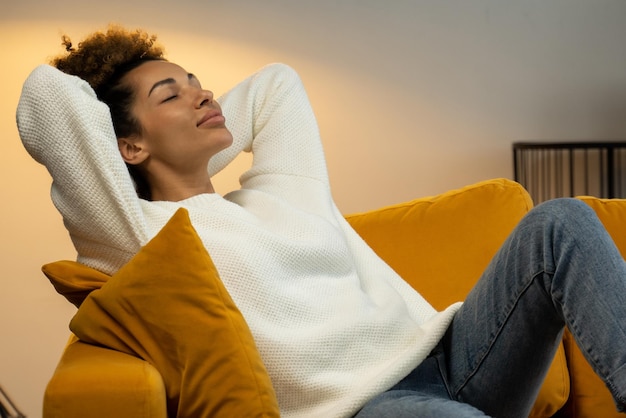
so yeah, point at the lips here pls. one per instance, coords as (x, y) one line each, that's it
(210, 118)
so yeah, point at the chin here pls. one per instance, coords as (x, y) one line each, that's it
(228, 140)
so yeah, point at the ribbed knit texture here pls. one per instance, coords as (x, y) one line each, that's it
(333, 323)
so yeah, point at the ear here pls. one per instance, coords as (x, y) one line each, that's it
(132, 150)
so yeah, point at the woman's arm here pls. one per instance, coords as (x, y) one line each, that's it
(67, 129)
(270, 115)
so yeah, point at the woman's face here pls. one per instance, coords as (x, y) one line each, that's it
(182, 127)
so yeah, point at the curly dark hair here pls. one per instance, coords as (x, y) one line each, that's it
(102, 59)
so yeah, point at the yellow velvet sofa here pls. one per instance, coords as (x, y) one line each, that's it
(439, 244)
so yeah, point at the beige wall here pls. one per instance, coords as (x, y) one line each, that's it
(413, 98)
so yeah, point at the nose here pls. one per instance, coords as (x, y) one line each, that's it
(205, 98)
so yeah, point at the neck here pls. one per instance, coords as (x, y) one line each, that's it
(174, 188)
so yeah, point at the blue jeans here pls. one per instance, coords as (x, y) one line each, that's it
(558, 268)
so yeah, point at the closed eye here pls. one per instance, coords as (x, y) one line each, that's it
(170, 98)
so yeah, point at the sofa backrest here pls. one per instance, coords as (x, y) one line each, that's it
(442, 244)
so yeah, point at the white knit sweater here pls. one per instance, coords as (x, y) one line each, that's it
(333, 323)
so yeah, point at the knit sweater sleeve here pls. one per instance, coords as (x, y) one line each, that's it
(270, 115)
(67, 129)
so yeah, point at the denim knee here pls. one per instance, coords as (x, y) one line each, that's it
(563, 209)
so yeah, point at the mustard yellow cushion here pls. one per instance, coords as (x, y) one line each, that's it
(169, 307)
(442, 244)
(589, 396)
(72, 282)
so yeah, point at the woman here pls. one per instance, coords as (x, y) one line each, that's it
(339, 332)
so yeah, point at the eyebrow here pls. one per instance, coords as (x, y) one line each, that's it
(167, 81)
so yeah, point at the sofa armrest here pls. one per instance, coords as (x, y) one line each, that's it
(92, 381)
